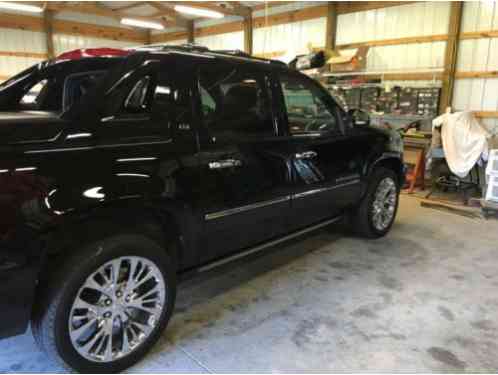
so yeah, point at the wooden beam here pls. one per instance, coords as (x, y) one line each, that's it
(94, 8)
(270, 4)
(238, 7)
(479, 34)
(21, 22)
(175, 17)
(129, 6)
(396, 41)
(344, 7)
(241, 11)
(48, 19)
(485, 74)
(32, 55)
(331, 25)
(248, 34)
(104, 32)
(451, 55)
(190, 32)
(291, 16)
(486, 114)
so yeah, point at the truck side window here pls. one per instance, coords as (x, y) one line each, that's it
(132, 96)
(308, 110)
(235, 103)
(138, 99)
(32, 98)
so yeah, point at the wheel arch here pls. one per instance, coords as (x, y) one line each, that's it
(169, 226)
(392, 161)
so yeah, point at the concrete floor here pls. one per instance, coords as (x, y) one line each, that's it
(425, 299)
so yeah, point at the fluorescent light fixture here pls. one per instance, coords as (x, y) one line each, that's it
(198, 11)
(21, 7)
(141, 23)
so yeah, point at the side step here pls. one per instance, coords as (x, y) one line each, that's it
(258, 248)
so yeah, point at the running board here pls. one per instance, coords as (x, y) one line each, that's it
(258, 248)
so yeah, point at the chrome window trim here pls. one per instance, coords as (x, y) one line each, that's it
(236, 210)
(84, 148)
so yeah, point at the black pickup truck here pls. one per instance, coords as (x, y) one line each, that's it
(121, 171)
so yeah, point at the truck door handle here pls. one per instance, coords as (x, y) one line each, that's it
(306, 155)
(225, 163)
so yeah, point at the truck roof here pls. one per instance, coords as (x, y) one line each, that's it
(195, 50)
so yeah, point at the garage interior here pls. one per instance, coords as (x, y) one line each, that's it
(422, 299)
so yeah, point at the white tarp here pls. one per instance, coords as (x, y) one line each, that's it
(464, 140)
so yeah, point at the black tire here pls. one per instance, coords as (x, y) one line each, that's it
(362, 216)
(51, 313)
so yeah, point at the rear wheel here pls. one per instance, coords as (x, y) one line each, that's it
(107, 305)
(375, 215)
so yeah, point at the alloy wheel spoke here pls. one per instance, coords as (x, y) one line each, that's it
(108, 349)
(78, 332)
(92, 284)
(125, 347)
(83, 305)
(116, 268)
(90, 343)
(144, 328)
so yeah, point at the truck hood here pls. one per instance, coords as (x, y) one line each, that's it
(28, 127)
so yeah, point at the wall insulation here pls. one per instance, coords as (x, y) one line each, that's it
(229, 41)
(478, 55)
(291, 38)
(27, 42)
(417, 19)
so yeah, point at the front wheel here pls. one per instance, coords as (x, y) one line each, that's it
(107, 305)
(375, 215)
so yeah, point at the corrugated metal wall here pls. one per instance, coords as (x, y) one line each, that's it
(418, 19)
(291, 38)
(479, 94)
(19, 41)
(232, 41)
(64, 43)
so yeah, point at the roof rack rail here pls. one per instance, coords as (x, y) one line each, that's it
(242, 54)
(189, 47)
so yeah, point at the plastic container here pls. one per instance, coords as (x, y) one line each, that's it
(492, 167)
(492, 188)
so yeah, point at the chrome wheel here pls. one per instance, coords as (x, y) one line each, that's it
(384, 204)
(117, 308)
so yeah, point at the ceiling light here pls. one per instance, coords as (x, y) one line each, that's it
(198, 12)
(141, 23)
(21, 7)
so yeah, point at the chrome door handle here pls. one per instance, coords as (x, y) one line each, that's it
(306, 155)
(226, 163)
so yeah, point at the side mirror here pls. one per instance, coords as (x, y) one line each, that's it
(359, 117)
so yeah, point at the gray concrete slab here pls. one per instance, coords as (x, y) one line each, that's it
(422, 299)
